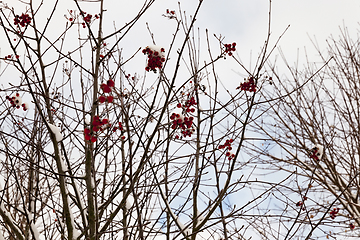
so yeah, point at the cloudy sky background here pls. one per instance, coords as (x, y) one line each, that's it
(242, 21)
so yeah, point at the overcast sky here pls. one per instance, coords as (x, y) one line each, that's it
(242, 21)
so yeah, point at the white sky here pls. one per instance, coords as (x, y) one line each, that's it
(242, 21)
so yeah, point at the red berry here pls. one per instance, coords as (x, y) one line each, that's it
(102, 99)
(106, 89)
(87, 131)
(352, 226)
(110, 83)
(110, 99)
(87, 137)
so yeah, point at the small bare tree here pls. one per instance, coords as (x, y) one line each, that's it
(312, 129)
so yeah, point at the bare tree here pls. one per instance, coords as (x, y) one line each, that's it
(103, 153)
(312, 129)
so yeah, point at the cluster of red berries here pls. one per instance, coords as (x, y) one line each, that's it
(16, 102)
(188, 105)
(106, 87)
(23, 20)
(120, 127)
(314, 154)
(170, 12)
(229, 48)
(183, 123)
(88, 136)
(72, 17)
(98, 125)
(155, 58)
(334, 212)
(129, 76)
(248, 85)
(228, 147)
(10, 57)
(87, 18)
(108, 99)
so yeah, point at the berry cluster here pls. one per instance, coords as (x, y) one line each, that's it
(16, 102)
(129, 76)
(23, 20)
(188, 105)
(227, 146)
(314, 153)
(156, 57)
(334, 212)
(120, 127)
(107, 89)
(8, 57)
(87, 18)
(98, 125)
(248, 85)
(88, 136)
(72, 16)
(229, 48)
(183, 123)
(170, 12)
(108, 99)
